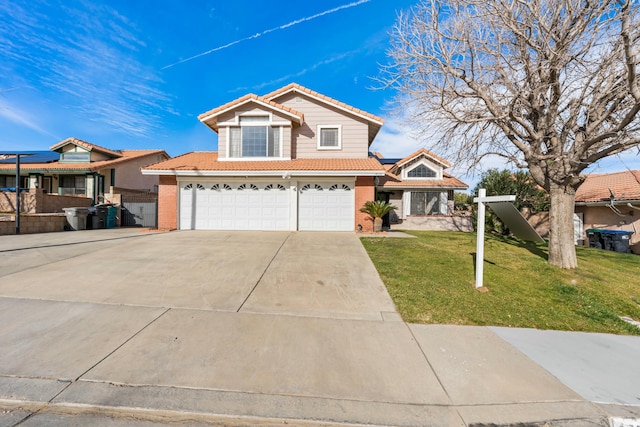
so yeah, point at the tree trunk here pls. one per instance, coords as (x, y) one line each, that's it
(562, 250)
(377, 224)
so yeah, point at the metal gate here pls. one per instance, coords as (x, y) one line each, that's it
(139, 210)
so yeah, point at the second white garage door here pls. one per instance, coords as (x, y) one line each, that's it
(326, 207)
(234, 206)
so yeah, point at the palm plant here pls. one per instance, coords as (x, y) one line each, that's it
(377, 210)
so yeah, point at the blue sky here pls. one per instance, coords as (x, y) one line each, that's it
(135, 74)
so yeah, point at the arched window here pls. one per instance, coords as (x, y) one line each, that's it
(421, 171)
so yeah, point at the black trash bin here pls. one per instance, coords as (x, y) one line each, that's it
(91, 213)
(617, 240)
(100, 217)
(595, 238)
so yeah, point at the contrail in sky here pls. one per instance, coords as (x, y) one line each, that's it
(281, 27)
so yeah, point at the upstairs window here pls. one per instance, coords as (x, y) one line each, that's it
(254, 138)
(329, 137)
(421, 171)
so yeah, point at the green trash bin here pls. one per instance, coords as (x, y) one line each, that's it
(112, 213)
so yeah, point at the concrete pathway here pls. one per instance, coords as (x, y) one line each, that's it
(118, 327)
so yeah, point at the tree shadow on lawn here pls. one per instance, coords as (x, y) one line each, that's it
(537, 249)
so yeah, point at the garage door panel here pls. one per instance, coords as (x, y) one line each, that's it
(326, 207)
(234, 206)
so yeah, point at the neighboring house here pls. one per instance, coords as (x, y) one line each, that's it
(610, 201)
(422, 192)
(77, 168)
(290, 160)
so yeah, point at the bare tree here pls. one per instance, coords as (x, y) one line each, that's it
(550, 85)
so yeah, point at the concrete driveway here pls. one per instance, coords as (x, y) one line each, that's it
(119, 327)
(309, 274)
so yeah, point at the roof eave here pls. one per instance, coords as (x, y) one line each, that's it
(355, 113)
(608, 203)
(269, 173)
(205, 117)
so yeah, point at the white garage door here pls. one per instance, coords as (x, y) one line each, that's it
(326, 207)
(233, 206)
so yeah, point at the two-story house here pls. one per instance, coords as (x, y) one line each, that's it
(290, 160)
(74, 167)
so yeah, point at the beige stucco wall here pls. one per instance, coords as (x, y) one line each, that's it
(355, 130)
(395, 198)
(604, 217)
(128, 174)
(301, 141)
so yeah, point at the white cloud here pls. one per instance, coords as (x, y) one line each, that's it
(395, 140)
(83, 60)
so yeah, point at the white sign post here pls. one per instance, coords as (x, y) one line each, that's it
(481, 200)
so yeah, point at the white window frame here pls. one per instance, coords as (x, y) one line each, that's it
(267, 122)
(319, 133)
(438, 200)
(437, 170)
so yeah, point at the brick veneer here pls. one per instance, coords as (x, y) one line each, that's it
(365, 191)
(30, 224)
(167, 203)
(36, 201)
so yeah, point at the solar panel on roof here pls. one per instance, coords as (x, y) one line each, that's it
(31, 157)
(384, 161)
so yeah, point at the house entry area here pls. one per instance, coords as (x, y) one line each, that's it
(267, 205)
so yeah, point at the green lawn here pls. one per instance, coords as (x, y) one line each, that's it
(430, 280)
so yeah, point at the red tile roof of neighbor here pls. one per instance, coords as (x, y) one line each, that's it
(393, 181)
(124, 156)
(85, 144)
(624, 185)
(208, 161)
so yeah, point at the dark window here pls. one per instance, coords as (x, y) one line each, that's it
(421, 171)
(425, 203)
(72, 184)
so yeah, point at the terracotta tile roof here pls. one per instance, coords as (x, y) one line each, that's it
(624, 185)
(393, 181)
(208, 161)
(297, 87)
(56, 167)
(427, 153)
(243, 99)
(86, 145)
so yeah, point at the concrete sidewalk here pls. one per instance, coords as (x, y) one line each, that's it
(271, 345)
